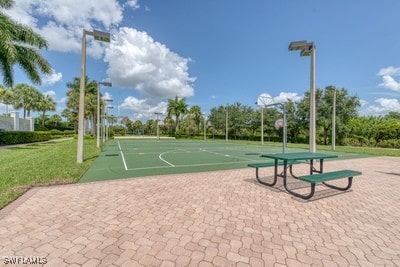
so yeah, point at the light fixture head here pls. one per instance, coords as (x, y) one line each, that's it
(298, 45)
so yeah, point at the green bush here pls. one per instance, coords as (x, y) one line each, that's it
(56, 132)
(69, 133)
(40, 128)
(86, 136)
(351, 142)
(390, 143)
(118, 130)
(17, 137)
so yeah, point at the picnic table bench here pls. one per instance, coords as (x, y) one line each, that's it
(315, 176)
(270, 164)
(327, 176)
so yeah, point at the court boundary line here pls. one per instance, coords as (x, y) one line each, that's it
(160, 157)
(122, 155)
(225, 155)
(189, 165)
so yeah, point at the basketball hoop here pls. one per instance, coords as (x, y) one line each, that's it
(278, 123)
(264, 100)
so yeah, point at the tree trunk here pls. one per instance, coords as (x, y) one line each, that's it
(43, 116)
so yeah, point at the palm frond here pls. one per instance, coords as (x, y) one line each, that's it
(6, 4)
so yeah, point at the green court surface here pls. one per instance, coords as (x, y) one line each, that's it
(125, 158)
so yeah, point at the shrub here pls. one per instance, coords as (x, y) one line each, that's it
(390, 143)
(56, 132)
(118, 130)
(69, 133)
(39, 128)
(17, 137)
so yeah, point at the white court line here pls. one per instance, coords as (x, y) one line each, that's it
(160, 157)
(189, 165)
(122, 155)
(225, 155)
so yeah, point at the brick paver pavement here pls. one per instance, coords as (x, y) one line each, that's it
(222, 218)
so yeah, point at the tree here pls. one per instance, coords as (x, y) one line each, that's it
(19, 45)
(46, 103)
(2, 92)
(112, 119)
(218, 119)
(346, 108)
(137, 127)
(26, 97)
(197, 116)
(90, 99)
(71, 116)
(177, 107)
(5, 97)
(393, 115)
(295, 125)
(150, 127)
(55, 119)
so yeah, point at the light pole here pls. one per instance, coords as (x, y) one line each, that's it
(103, 122)
(262, 125)
(158, 125)
(108, 123)
(100, 36)
(308, 49)
(205, 126)
(98, 109)
(226, 125)
(334, 120)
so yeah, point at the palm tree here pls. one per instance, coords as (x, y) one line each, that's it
(55, 119)
(90, 98)
(6, 97)
(71, 116)
(195, 111)
(26, 97)
(46, 103)
(19, 45)
(177, 107)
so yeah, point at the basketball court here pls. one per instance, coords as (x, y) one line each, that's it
(124, 158)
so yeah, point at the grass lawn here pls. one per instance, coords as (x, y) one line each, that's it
(47, 163)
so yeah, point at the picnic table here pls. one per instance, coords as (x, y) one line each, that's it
(315, 176)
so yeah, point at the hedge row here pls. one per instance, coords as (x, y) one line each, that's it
(16, 137)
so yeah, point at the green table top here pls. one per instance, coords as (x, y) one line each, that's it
(299, 156)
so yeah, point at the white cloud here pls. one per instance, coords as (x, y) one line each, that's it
(388, 80)
(267, 99)
(134, 4)
(50, 93)
(392, 71)
(363, 103)
(137, 61)
(143, 108)
(65, 21)
(107, 95)
(284, 97)
(52, 78)
(383, 106)
(390, 83)
(53, 95)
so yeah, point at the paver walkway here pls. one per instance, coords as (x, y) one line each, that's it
(222, 218)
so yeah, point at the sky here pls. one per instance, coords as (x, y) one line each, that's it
(218, 52)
